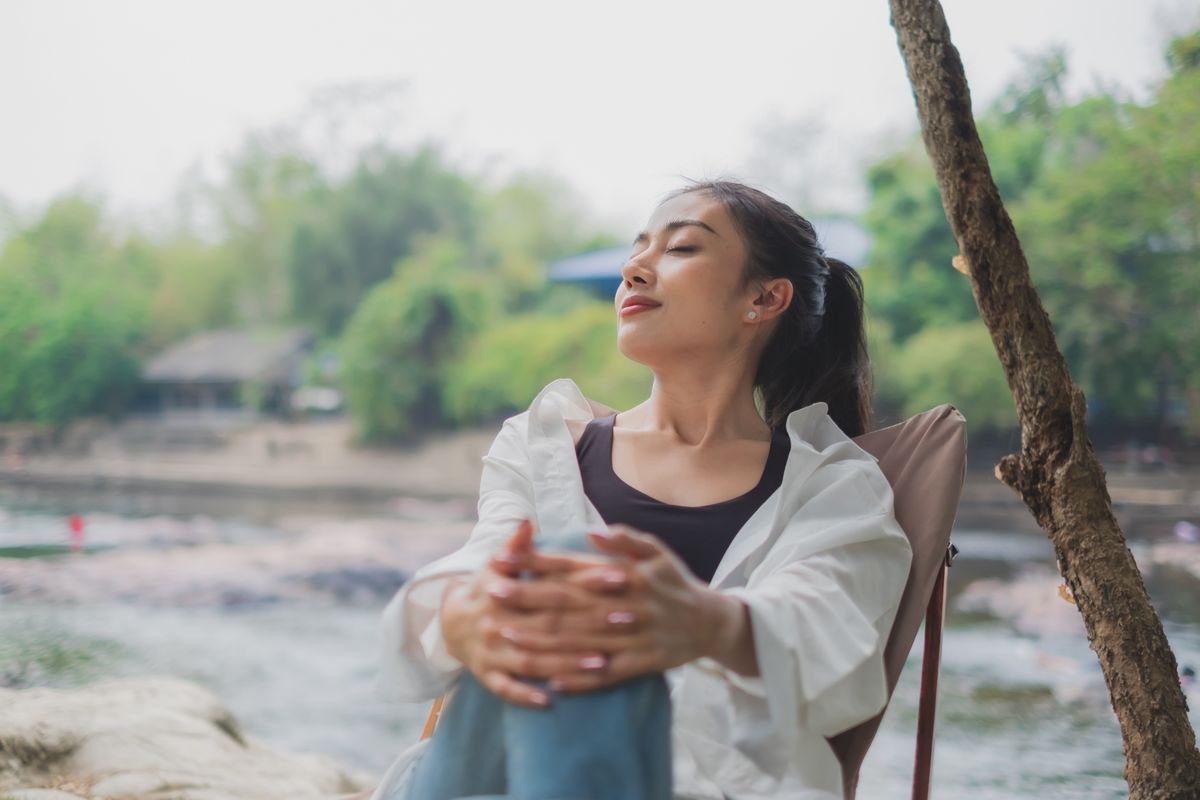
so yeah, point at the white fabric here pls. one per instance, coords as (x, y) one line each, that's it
(821, 564)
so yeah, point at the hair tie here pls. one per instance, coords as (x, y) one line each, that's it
(819, 285)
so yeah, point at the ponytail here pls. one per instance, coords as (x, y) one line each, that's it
(828, 365)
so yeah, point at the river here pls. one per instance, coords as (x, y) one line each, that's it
(281, 622)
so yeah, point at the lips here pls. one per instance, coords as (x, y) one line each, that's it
(634, 305)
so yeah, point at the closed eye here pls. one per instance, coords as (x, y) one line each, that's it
(680, 249)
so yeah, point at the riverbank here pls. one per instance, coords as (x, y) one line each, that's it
(261, 470)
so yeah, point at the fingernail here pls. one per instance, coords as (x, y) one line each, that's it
(592, 662)
(509, 633)
(621, 617)
(613, 578)
(541, 698)
(500, 591)
(506, 558)
(602, 534)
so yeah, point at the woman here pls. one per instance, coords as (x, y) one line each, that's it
(761, 583)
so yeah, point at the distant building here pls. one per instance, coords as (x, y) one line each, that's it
(600, 270)
(228, 371)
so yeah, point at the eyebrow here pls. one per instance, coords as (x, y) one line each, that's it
(672, 225)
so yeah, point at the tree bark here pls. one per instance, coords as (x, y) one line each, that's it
(1056, 472)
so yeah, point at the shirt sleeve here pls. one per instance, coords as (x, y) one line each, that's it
(414, 663)
(823, 601)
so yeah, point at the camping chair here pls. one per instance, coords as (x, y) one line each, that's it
(924, 459)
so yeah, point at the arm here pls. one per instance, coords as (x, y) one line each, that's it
(822, 603)
(414, 662)
(732, 644)
(820, 627)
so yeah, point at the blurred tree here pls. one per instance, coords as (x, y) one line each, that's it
(959, 362)
(271, 183)
(504, 367)
(195, 287)
(887, 388)
(529, 221)
(906, 279)
(405, 335)
(1113, 232)
(909, 283)
(1104, 193)
(72, 310)
(352, 234)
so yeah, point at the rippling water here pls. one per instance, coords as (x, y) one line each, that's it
(1021, 714)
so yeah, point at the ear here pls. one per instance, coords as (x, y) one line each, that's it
(773, 298)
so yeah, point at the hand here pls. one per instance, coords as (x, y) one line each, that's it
(478, 614)
(645, 611)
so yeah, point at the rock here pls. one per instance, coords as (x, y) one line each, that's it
(1031, 602)
(150, 738)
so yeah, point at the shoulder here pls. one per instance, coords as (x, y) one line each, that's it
(576, 427)
(830, 476)
(563, 399)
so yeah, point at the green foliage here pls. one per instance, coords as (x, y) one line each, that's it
(907, 281)
(353, 234)
(1113, 237)
(887, 395)
(80, 306)
(505, 366)
(404, 336)
(1105, 195)
(68, 328)
(1183, 54)
(271, 185)
(528, 222)
(194, 288)
(433, 287)
(954, 364)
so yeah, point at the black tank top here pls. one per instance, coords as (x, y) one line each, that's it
(698, 534)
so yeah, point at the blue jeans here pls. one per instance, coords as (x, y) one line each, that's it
(607, 744)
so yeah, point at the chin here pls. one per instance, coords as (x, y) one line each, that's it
(637, 349)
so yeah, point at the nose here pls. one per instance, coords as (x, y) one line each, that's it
(637, 268)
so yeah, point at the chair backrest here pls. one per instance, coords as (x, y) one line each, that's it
(924, 459)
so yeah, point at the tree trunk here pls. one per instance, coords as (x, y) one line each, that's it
(1056, 473)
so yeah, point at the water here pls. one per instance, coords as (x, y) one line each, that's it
(1023, 711)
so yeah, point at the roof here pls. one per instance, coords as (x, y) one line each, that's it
(224, 356)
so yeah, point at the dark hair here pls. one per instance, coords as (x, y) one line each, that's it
(818, 351)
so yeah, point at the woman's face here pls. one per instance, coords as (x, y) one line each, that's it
(694, 271)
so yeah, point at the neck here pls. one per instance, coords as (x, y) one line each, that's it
(699, 409)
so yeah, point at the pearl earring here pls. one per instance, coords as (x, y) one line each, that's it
(753, 315)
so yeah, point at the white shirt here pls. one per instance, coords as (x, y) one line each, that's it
(821, 565)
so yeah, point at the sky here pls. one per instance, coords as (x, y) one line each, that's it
(622, 100)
